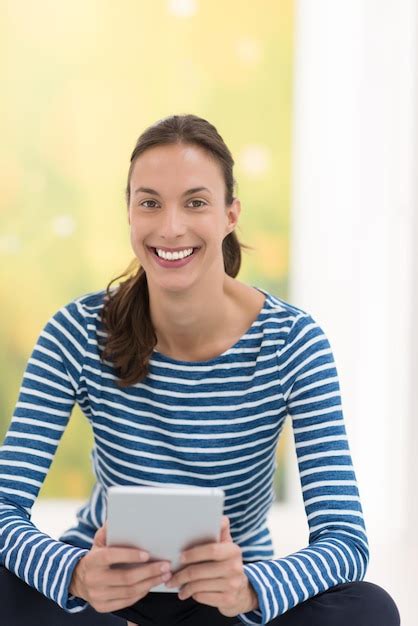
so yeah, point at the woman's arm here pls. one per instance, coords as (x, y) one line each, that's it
(46, 399)
(338, 550)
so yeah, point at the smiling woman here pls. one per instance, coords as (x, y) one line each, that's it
(186, 376)
(179, 197)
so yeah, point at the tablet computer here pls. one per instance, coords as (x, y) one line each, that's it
(164, 521)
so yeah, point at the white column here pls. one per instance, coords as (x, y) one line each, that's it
(411, 537)
(352, 234)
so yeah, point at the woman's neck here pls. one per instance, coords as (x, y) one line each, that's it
(192, 324)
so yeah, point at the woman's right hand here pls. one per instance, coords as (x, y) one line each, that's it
(107, 587)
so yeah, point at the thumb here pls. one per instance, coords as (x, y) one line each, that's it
(225, 530)
(100, 536)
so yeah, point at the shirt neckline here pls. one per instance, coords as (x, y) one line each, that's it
(168, 359)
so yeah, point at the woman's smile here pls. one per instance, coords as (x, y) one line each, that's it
(173, 263)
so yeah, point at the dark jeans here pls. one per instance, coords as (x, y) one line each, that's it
(350, 604)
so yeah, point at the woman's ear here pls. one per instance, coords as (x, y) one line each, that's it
(233, 212)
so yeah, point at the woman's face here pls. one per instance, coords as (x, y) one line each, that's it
(178, 202)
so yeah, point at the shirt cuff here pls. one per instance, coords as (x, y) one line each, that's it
(66, 600)
(257, 616)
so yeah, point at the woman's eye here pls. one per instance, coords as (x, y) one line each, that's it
(153, 204)
(202, 203)
(148, 207)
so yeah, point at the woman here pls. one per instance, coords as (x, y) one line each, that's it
(186, 376)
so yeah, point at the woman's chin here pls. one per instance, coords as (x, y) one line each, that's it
(173, 286)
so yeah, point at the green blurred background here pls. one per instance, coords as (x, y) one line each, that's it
(80, 81)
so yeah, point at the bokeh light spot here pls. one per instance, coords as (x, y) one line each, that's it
(254, 160)
(182, 8)
(248, 50)
(63, 225)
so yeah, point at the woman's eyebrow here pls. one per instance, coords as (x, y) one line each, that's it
(186, 193)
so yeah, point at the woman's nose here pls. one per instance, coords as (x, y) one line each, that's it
(172, 221)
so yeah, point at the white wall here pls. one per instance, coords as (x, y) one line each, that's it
(354, 236)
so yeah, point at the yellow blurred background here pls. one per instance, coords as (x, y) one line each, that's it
(80, 82)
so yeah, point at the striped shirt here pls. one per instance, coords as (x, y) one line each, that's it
(212, 423)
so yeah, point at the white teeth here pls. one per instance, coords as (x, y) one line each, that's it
(172, 256)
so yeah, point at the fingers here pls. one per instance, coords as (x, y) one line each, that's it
(205, 571)
(212, 552)
(214, 585)
(131, 577)
(113, 555)
(115, 578)
(99, 539)
(111, 599)
(100, 536)
(215, 591)
(225, 529)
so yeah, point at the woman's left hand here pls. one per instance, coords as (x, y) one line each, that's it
(213, 574)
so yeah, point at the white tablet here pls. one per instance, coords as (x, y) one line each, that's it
(164, 521)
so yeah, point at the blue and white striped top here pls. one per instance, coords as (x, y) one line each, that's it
(212, 423)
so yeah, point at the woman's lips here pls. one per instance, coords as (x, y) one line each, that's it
(173, 264)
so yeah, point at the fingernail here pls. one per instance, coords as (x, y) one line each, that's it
(165, 567)
(143, 556)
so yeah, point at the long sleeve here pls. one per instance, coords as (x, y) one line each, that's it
(338, 550)
(47, 395)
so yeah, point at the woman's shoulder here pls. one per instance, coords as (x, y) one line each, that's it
(80, 310)
(290, 321)
(92, 302)
(275, 304)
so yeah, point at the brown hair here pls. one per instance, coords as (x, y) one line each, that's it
(129, 335)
